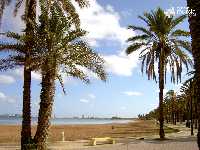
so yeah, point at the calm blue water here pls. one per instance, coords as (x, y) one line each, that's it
(63, 121)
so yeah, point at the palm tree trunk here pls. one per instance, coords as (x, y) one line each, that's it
(177, 117)
(196, 115)
(161, 87)
(26, 112)
(191, 118)
(45, 111)
(194, 22)
(188, 115)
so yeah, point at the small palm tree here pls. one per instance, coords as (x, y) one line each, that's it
(65, 52)
(161, 43)
(171, 103)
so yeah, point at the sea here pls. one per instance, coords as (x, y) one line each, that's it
(65, 121)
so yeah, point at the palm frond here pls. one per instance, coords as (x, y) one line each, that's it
(84, 56)
(177, 21)
(6, 47)
(11, 62)
(12, 35)
(185, 44)
(138, 37)
(180, 33)
(70, 9)
(142, 29)
(133, 47)
(18, 4)
(77, 73)
(83, 3)
(59, 77)
(72, 35)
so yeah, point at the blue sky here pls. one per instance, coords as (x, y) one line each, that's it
(126, 92)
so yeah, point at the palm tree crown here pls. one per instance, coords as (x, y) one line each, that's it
(160, 37)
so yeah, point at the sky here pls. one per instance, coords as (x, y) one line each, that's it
(126, 93)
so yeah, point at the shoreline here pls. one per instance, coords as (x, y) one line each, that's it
(68, 122)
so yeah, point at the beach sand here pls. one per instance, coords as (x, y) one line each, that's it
(11, 133)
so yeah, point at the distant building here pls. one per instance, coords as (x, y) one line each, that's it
(83, 117)
(11, 116)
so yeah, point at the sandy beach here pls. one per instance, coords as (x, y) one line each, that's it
(11, 133)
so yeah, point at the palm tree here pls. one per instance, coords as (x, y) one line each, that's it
(189, 91)
(194, 21)
(170, 102)
(160, 43)
(29, 18)
(181, 107)
(64, 52)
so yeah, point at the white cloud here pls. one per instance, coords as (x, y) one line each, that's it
(5, 98)
(36, 76)
(92, 96)
(2, 96)
(102, 23)
(84, 100)
(122, 64)
(132, 93)
(6, 79)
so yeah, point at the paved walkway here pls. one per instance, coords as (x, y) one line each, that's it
(187, 143)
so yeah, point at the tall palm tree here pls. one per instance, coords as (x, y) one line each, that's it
(29, 18)
(194, 21)
(160, 43)
(66, 52)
